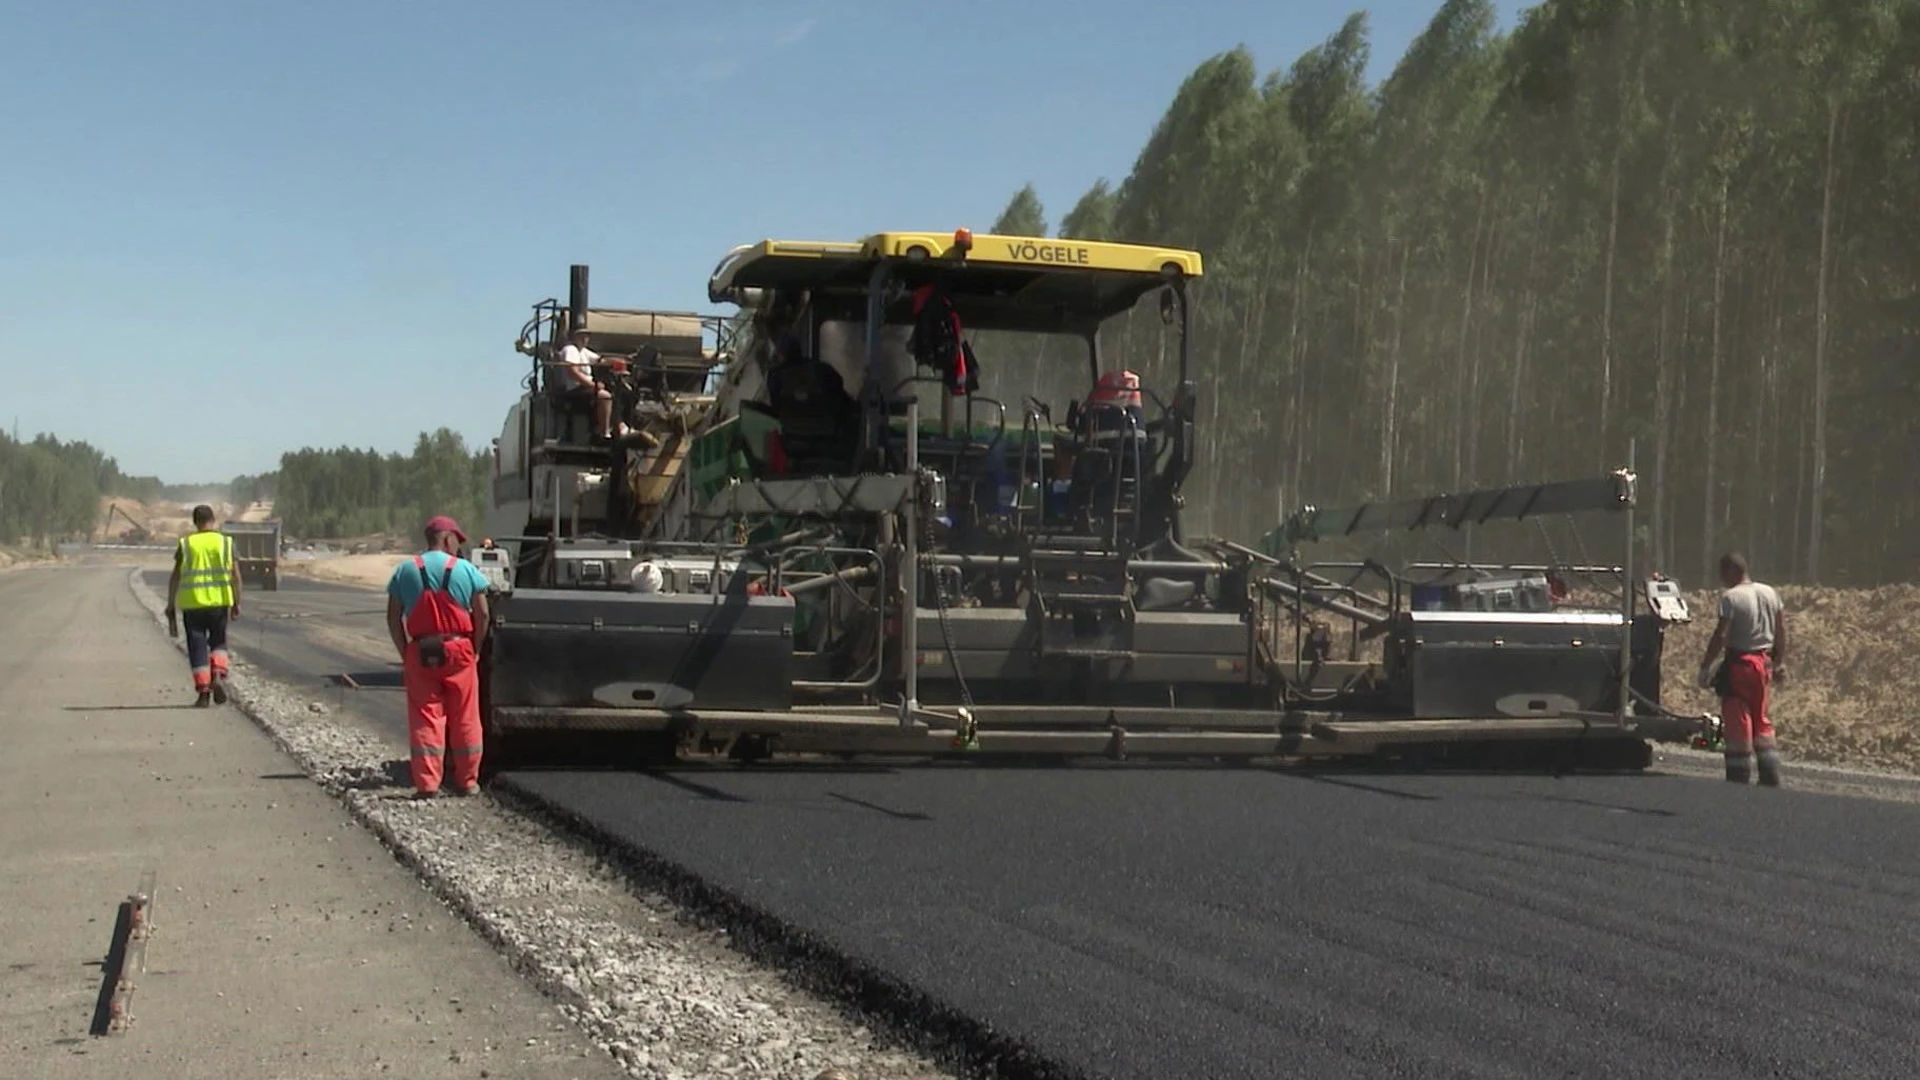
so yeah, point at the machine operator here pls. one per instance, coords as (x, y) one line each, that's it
(574, 371)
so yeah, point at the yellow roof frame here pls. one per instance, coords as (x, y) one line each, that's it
(1037, 252)
(995, 281)
(827, 259)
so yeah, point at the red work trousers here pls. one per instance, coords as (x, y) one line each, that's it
(1744, 723)
(443, 716)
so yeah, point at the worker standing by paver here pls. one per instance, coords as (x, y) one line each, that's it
(437, 617)
(1750, 645)
(204, 594)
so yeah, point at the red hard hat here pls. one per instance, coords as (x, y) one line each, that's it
(1119, 388)
(443, 524)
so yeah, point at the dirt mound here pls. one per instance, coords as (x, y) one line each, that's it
(1850, 680)
(1849, 691)
(13, 558)
(371, 571)
(162, 520)
(256, 511)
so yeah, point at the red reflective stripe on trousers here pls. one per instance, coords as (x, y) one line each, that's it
(1744, 722)
(443, 710)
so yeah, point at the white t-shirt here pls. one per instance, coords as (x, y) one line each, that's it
(578, 358)
(1752, 610)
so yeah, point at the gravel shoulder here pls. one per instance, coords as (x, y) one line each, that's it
(661, 994)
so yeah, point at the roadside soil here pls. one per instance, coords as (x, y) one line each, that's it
(14, 558)
(369, 571)
(1849, 695)
(165, 520)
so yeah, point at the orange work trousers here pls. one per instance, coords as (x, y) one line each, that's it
(443, 717)
(1745, 725)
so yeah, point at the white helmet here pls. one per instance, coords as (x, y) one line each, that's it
(647, 578)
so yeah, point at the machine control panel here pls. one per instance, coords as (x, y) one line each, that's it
(494, 565)
(1666, 600)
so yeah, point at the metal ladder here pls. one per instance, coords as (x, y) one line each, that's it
(1077, 581)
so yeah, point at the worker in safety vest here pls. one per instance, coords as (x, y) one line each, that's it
(437, 617)
(204, 593)
(1750, 642)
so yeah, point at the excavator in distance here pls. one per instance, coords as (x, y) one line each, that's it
(135, 533)
(835, 525)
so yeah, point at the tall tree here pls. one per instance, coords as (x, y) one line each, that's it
(1684, 223)
(1092, 217)
(1023, 215)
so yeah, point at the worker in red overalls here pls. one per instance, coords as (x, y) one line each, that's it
(437, 617)
(1750, 643)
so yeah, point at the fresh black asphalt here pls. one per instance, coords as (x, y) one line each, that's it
(1156, 922)
(1173, 922)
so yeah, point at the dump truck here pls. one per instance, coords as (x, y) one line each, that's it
(836, 526)
(256, 551)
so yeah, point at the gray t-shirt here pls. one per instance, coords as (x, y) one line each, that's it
(1752, 610)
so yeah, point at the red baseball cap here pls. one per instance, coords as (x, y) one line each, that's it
(444, 524)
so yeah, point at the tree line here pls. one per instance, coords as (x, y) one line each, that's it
(346, 492)
(51, 490)
(1686, 224)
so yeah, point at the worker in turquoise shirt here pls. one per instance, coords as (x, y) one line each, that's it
(437, 616)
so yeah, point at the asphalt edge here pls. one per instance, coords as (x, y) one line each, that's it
(805, 960)
(809, 961)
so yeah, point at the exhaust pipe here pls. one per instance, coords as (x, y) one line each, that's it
(576, 297)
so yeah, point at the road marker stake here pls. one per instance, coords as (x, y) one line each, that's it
(138, 920)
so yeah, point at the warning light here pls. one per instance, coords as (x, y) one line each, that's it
(963, 240)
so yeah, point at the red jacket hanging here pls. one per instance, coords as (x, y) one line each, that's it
(939, 341)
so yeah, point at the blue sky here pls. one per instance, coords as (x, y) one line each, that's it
(233, 229)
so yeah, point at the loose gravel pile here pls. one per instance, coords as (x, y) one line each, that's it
(664, 997)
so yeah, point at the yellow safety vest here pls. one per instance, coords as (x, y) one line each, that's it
(206, 569)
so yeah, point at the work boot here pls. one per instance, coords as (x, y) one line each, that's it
(220, 691)
(202, 700)
(1739, 768)
(465, 790)
(1769, 768)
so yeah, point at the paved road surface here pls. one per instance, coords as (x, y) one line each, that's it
(309, 632)
(1172, 922)
(1246, 924)
(287, 941)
